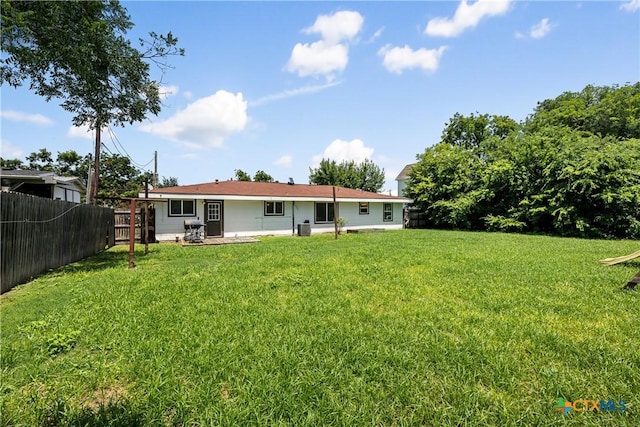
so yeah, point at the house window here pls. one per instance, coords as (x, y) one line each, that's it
(364, 208)
(182, 208)
(324, 212)
(387, 212)
(273, 208)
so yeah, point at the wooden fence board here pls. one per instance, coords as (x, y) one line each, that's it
(37, 234)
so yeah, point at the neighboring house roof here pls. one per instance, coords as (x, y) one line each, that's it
(39, 177)
(251, 190)
(404, 173)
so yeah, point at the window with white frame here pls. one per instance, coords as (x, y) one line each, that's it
(364, 208)
(182, 208)
(387, 212)
(274, 208)
(324, 212)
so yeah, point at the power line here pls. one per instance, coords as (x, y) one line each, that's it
(28, 221)
(116, 142)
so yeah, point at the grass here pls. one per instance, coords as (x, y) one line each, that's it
(411, 327)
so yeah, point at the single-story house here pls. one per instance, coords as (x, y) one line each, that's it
(43, 184)
(402, 178)
(246, 208)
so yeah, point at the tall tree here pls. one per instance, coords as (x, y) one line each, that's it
(11, 164)
(573, 169)
(366, 176)
(168, 182)
(77, 51)
(242, 175)
(262, 176)
(40, 160)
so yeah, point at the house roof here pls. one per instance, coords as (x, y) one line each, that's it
(38, 177)
(404, 173)
(254, 190)
(6, 173)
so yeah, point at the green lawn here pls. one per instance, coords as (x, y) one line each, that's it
(408, 327)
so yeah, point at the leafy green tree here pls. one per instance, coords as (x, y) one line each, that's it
(77, 51)
(606, 110)
(11, 164)
(573, 169)
(168, 182)
(469, 132)
(444, 183)
(120, 179)
(69, 163)
(262, 176)
(40, 160)
(242, 175)
(366, 176)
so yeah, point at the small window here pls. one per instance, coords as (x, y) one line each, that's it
(324, 212)
(182, 208)
(387, 212)
(273, 208)
(364, 208)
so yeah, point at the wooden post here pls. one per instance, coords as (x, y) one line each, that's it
(132, 232)
(96, 167)
(335, 213)
(146, 217)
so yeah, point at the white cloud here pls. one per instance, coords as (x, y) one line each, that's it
(9, 151)
(330, 54)
(318, 58)
(291, 93)
(205, 122)
(398, 59)
(376, 35)
(187, 95)
(466, 16)
(631, 6)
(284, 161)
(340, 150)
(343, 25)
(19, 116)
(80, 132)
(540, 29)
(537, 31)
(167, 91)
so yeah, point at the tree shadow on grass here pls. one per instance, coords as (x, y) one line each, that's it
(100, 261)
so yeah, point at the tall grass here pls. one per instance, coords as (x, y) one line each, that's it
(412, 327)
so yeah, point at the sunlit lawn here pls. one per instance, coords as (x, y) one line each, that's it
(410, 327)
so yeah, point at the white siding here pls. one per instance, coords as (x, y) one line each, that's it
(402, 184)
(168, 227)
(247, 218)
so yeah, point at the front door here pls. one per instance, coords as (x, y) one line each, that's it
(214, 219)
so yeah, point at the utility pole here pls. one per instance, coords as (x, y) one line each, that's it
(155, 169)
(96, 167)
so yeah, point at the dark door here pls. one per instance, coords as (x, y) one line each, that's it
(214, 219)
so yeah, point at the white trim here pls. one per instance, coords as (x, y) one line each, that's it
(274, 198)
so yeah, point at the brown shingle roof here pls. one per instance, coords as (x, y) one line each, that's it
(271, 189)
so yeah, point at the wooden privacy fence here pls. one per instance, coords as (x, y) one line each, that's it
(123, 219)
(416, 219)
(37, 234)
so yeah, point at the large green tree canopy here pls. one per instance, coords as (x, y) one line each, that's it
(119, 177)
(366, 175)
(77, 51)
(571, 168)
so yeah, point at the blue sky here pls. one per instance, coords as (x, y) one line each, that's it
(277, 86)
